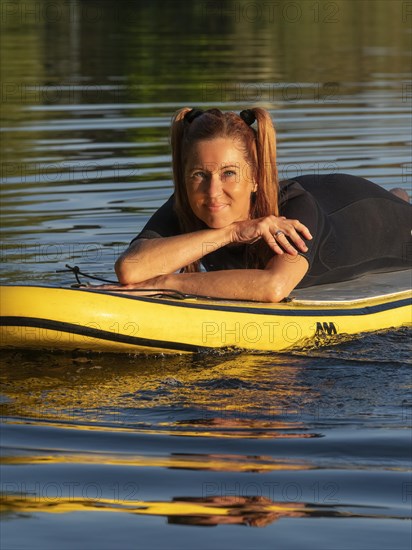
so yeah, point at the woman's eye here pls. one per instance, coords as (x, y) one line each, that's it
(229, 173)
(198, 174)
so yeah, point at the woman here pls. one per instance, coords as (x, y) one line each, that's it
(230, 215)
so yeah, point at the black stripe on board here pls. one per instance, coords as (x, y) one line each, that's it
(99, 334)
(297, 312)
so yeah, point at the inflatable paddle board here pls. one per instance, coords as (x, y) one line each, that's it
(43, 317)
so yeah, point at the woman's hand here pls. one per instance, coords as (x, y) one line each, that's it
(280, 233)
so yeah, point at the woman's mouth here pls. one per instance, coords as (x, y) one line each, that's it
(215, 207)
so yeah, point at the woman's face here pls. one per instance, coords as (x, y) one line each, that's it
(219, 182)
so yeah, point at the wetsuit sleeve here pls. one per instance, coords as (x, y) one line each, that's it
(163, 223)
(303, 207)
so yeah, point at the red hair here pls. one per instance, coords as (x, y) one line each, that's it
(259, 147)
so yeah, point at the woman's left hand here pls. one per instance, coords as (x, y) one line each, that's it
(280, 233)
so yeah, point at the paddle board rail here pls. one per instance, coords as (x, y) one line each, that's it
(44, 317)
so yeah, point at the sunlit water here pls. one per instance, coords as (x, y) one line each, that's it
(132, 452)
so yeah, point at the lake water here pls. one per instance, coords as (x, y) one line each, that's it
(292, 451)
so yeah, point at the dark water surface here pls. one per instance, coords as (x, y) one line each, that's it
(293, 451)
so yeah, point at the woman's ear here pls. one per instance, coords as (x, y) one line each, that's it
(254, 187)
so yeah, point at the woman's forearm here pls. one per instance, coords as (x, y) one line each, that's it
(262, 285)
(148, 258)
(237, 284)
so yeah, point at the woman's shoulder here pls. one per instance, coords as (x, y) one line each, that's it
(163, 223)
(291, 189)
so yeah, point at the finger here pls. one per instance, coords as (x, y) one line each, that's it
(272, 242)
(283, 241)
(291, 231)
(298, 226)
(296, 239)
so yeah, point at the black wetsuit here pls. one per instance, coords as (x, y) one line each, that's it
(357, 227)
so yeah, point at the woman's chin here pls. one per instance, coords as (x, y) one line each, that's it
(216, 224)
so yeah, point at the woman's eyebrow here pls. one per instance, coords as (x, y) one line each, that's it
(196, 167)
(212, 167)
(229, 166)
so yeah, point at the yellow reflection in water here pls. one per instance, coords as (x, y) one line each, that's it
(186, 461)
(255, 511)
(247, 396)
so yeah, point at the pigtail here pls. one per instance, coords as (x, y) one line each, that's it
(176, 141)
(186, 218)
(266, 201)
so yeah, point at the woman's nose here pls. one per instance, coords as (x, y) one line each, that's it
(214, 184)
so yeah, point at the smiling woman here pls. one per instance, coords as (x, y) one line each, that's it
(218, 183)
(251, 233)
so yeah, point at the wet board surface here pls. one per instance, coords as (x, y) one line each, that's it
(369, 286)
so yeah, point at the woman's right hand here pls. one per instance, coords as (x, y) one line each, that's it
(280, 233)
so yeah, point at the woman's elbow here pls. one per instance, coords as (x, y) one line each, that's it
(128, 266)
(275, 294)
(123, 271)
(283, 277)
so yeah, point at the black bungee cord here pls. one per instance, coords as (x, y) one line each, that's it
(168, 292)
(76, 272)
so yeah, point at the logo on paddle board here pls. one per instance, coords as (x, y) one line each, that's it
(326, 328)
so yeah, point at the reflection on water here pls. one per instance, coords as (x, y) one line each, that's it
(312, 446)
(207, 511)
(243, 395)
(193, 440)
(242, 440)
(173, 395)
